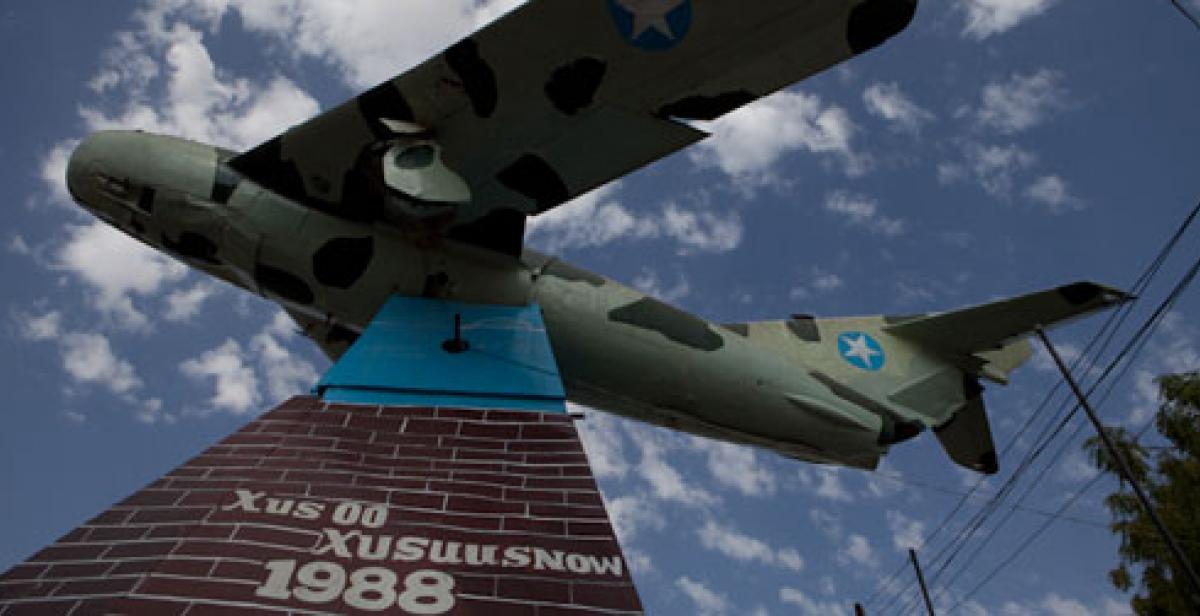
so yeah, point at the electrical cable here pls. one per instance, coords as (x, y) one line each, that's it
(989, 508)
(1186, 13)
(1153, 323)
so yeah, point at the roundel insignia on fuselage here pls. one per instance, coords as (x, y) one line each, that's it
(861, 351)
(652, 25)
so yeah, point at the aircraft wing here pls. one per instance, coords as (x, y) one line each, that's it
(555, 99)
(332, 338)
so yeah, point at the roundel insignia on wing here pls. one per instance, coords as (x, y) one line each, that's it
(861, 351)
(652, 25)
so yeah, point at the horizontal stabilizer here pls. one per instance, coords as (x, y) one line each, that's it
(988, 327)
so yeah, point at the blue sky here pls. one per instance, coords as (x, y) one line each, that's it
(997, 147)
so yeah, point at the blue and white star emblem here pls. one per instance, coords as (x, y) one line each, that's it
(653, 25)
(861, 351)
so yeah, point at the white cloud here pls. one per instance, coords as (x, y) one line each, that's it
(234, 381)
(89, 358)
(907, 533)
(858, 551)
(1021, 102)
(1053, 192)
(994, 168)
(360, 39)
(985, 18)
(648, 282)
(738, 467)
(827, 524)
(640, 562)
(286, 374)
(40, 328)
(706, 601)
(197, 100)
(53, 171)
(594, 219)
(1175, 348)
(1042, 362)
(604, 442)
(863, 211)
(184, 304)
(808, 606)
(630, 514)
(18, 246)
(744, 548)
(700, 230)
(598, 219)
(820, 282)
(746, 143)
(887, 101)
(826, 482)
(664, 480)
(1110, 606)
(1075, 468)
(883, 482)
(1055, 604)
(117, 268)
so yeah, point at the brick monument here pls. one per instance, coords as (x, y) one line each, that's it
(320, 506)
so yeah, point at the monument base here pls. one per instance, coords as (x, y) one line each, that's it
(320, 507)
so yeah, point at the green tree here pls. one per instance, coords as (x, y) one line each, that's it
(1171, 477)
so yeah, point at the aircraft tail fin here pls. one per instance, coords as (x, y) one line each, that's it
(987, 332)
(925, 371)
(988, 341)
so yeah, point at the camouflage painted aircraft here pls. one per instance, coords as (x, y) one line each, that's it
(422, 186)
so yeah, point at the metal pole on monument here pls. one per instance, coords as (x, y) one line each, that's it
(1185, 566)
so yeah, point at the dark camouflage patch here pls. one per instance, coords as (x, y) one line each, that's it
(741, 329)
(896, 319)
(1080, 293)
(573, 86)
(677, 325)
(875, 21)
(478, 79)
(536, 179)
(225, 181)
(192, 246)
(266, 165)
(501, 231)
(566, 271)
(851, 395)
(282, 284)
(384, 102)
(706, 107)
(342, 261)
(804, 327)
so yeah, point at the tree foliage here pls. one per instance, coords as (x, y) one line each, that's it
(1170, 475)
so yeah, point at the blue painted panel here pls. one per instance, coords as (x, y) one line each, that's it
(399, 359)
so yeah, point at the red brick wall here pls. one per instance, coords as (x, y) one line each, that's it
(350, 509)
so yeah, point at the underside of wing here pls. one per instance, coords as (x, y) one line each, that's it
(551, 101)
(332, 338)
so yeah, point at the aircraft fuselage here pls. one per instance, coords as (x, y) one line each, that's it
(617, 349)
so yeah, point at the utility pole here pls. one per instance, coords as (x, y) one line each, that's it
(1185, 566)
(912, 555)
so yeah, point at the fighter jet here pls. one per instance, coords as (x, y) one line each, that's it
(422, 187)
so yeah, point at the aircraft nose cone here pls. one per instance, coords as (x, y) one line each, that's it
(82, 165)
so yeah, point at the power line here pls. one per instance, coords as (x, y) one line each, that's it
(1131, 350)
(1156, 319)
(1186, 13)
(1032, 510)
(1114, 322)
